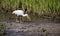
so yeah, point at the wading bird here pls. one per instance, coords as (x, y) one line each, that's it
(20, 13)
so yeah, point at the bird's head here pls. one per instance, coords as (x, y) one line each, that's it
(27, 16)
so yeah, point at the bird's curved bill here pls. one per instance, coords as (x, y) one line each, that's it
(29, 18)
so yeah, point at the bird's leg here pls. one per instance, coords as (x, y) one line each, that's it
(17, 19)
(20, 19)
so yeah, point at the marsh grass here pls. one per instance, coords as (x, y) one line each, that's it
(35, 8)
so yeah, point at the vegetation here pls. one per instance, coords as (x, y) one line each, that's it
(35, 8)
(1, 29)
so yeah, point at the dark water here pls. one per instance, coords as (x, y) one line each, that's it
(14, 33)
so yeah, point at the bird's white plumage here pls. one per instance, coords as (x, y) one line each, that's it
(20, 12)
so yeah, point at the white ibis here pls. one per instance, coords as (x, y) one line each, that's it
(20, 13)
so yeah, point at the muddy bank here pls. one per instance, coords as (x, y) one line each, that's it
(32, 29)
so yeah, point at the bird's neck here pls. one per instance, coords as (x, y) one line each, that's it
(24, 14)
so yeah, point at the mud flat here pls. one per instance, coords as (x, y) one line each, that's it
(32, 29)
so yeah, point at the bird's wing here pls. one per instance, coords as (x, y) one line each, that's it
(18, 12)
